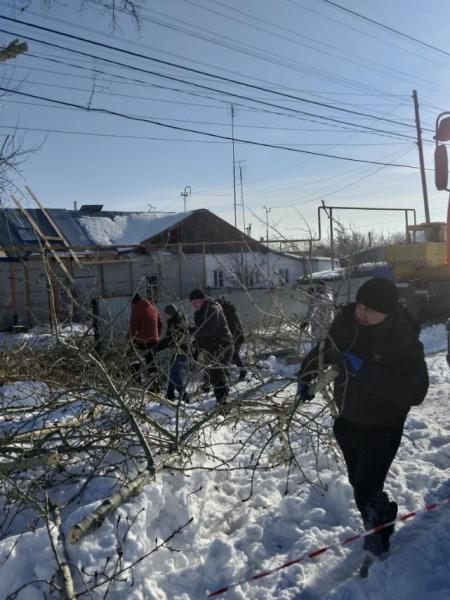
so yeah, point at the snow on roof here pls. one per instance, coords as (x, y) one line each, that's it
(132, 228)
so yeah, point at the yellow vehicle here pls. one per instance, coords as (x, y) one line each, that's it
(421, 270)
(423, 255)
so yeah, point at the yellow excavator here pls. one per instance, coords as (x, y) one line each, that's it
(423, 255)
(422, 264)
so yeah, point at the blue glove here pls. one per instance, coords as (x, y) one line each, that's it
(354, 363)
(303, 393)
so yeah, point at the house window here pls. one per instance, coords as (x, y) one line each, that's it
(152, 285)
(283, 275)
(218, 278)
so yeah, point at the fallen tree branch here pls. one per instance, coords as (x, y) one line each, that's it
(49, 458)
(95, 518)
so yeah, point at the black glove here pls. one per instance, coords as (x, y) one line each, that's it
(303, 392)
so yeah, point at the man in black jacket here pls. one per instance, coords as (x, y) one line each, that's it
(214, 339)
(177, 339)
(382, 373)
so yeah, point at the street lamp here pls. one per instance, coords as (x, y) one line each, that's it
(185, 194)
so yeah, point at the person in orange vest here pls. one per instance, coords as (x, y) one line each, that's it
(144, 333)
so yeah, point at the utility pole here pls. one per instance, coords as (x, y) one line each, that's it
(234, 166)
(421, 161)
(329, 213)
(267, 209)
(184, 194)
(242, 193)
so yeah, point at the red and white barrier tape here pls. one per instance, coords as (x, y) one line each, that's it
(315, 553)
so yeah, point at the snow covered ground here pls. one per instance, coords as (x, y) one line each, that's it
(235, 534)
(39, 338)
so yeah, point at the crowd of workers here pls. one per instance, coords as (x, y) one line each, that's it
(372, 343)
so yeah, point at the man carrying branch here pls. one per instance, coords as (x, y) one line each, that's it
(381, 374)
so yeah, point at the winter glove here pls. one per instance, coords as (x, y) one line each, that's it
(353, 362)
(303, 392)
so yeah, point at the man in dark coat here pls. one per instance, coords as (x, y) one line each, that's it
(214, 339)
(177, 340)
(382, 373)
(234, 323)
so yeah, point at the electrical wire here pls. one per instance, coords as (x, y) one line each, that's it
(211, 75)
(197, 85)
(401, 34)
(204, 133)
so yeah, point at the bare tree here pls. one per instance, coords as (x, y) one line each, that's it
(114, 8)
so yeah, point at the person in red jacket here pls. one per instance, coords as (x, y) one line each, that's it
(144, 333)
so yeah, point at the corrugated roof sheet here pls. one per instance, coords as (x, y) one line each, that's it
(79, 229)
(16, 230)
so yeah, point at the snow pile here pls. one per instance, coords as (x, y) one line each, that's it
(245, 522)
(434, 338)
(39, 338)
(132, 228)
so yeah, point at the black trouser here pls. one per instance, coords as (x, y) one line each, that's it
(237, 360)
(218, 371)
(151, 370)
(368, 454)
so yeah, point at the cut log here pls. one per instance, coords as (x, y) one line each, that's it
(109, 504)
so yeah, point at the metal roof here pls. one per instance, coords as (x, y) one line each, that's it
(16, 230)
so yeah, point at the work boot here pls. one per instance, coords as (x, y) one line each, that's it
(242, 374)
(221, 394)
(378, 511)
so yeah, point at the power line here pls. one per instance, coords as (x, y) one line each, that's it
(107, 135)
(245, 107)
(386, 27)
(209, 88)
(205, 133)
(243, 126)
(342, 188)
(211, 75)
(318, 47)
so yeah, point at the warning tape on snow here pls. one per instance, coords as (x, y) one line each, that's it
(315, 553)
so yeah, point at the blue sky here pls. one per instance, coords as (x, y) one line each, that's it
(308, 49)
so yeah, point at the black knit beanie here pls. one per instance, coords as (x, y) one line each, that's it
(171, 309)
(379, 294)
(197, 295)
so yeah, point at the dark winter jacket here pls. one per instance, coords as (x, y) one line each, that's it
(211, 330)
(393, 375)
(145, 323)
(234, 323)
(177, 335)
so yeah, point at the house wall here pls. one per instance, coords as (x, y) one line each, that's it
(163, 276)
(24, 295)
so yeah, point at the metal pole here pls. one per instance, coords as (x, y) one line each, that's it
(242, 196)
(234, 166)
(421, 161)
(331, 239)
(267, 209)
(204, 266)
(185, 193)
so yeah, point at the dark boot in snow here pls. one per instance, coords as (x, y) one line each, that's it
(379, 510)
(242, 374)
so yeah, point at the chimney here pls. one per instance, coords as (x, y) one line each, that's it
(75, 207)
